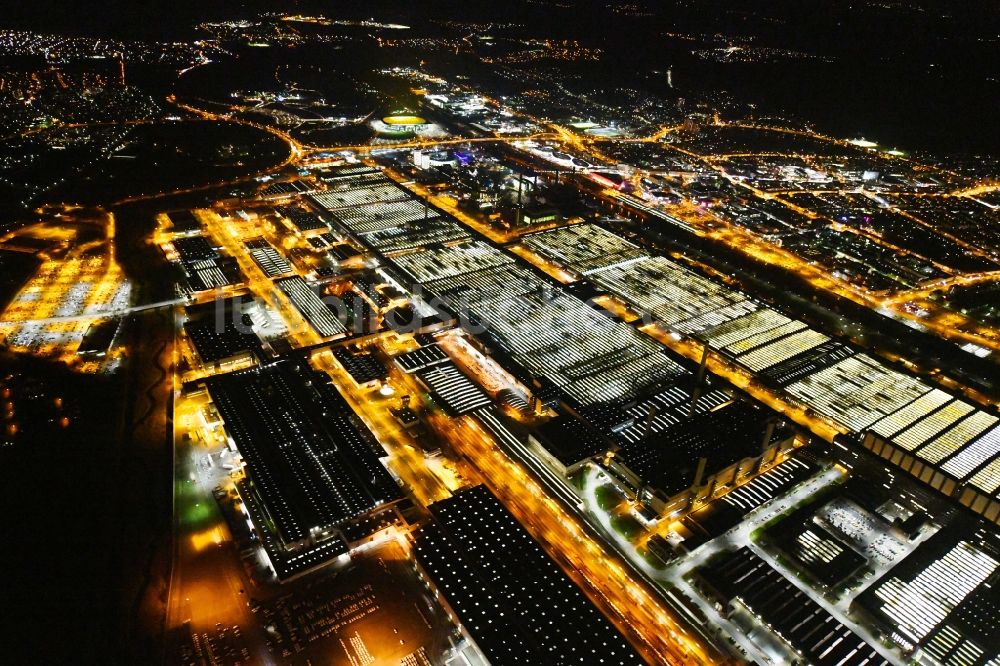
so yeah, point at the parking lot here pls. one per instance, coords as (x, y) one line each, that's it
(374, 611)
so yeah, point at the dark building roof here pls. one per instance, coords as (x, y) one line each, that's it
(305, 221)
(570, 440)
(944, 595)
(99, 337)
(718, 517)
(183, 221)
(355, 313)
(511, 597)
(668, 460)
(666, 407)
(815, 549)
(424, 339)
(218, 338)
(343, 251)
(348, 172)
(977, 620)
(365, 286)
(799, 620)
(194, 248)
(362, 366)
(312, 462)
(211, 273)
(283, 188)
(808, 362)
(362, 528)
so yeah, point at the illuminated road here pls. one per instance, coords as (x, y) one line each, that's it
(967, 280)
(302, 152)
(630, 604)
(406, 458)
(946, 324)
(230, 233)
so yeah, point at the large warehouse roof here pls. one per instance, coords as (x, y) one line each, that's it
(312, 462)
(517, 604)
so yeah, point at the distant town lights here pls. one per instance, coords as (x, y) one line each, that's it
(863, 143)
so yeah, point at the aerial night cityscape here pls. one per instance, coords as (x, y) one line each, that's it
(539, 332)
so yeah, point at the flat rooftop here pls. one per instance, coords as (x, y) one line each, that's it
(183, 221)
(216, 338)
(851, 389)
(674, 296)
(312, 463)
(452, 389)
(585, 248)
(539, 326)
(363, 367)
(440, 263)
(415, 234)
(268, 259)
(943, 597)
(421, 358)
(858, 391)
(194, 248)
(668, 460)
(321, 317)
(515, 601)
(571, 441)
(538, 329)
(304, 220)
(373, 208)
(789, 611)
(666, 408)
